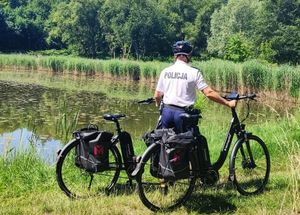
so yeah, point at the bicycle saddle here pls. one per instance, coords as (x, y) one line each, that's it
(113, 117)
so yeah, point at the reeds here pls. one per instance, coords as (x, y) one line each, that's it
(251, 76)
(66, 121)
(223, 75)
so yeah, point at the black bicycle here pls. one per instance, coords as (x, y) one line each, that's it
(78, 182)
(249, 165)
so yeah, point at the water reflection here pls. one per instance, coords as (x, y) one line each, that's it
(24, 140)
(30, 110)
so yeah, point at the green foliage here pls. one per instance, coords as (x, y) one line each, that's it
(25, 24)
(238, 49)
(272, 27)
(75, 24)
(146, 29)
(133, 26)
(287, 44)
(266, 51)
(237, 17)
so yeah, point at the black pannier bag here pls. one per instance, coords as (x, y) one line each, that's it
(155, 136)
(174, 155)
(92, 151)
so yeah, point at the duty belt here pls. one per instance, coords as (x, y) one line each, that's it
(176, 107)
(187, 109)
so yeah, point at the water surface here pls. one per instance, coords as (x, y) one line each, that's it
(31, 112)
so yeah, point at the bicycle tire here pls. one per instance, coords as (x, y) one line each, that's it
(78, 183)
(250, 175)
(151, 190)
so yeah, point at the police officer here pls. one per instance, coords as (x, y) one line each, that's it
(177, 86)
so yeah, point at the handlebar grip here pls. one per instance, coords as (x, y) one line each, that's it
(148, 101)
(252, 96)
(236, 96)
(248, 96)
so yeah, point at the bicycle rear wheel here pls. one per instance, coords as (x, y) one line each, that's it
(250, 165)
(160, 194)
(78, 183)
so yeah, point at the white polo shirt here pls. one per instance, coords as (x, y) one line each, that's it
(179, 82)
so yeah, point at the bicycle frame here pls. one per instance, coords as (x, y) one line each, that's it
(243, 162)
(235, 128)
(127, 149)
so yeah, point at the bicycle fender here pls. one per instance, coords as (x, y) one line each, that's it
(60, 151)
(146, 154)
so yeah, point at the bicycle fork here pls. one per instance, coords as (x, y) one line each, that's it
(247, 161)
(246, 153)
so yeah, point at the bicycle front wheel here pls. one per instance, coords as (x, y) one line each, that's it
(250, 165)
(161, 194)
(78, 183)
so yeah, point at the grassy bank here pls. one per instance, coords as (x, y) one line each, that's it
(118, 68)
(223, 75)
(28, 186)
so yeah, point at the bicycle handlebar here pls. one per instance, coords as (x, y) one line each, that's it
(146, 101)
(236, 96)
(232, 96)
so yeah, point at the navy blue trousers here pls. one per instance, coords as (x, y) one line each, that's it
(170, 118)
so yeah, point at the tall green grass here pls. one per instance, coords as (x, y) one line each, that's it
(252, 75)
(134, 70)
(66, 121)
(30, 185)
(22, 173)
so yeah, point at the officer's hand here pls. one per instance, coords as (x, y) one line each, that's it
(232, 103)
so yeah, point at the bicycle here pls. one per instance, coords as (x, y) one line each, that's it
(249, 165)
(76, 182)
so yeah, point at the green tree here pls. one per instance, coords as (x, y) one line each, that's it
(237, 17)
(286, 43)
(75, 25)
(266, 51)
(133, 26)
(274, 21)
(238, 49)
(285, 39)
(201, 29)
(3, 32)
(181, 17)
(278, 22)
(114, 18)
(25, 20)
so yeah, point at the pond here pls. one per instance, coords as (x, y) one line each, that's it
(35, 108)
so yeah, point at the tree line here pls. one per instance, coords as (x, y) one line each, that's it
(146, 29)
